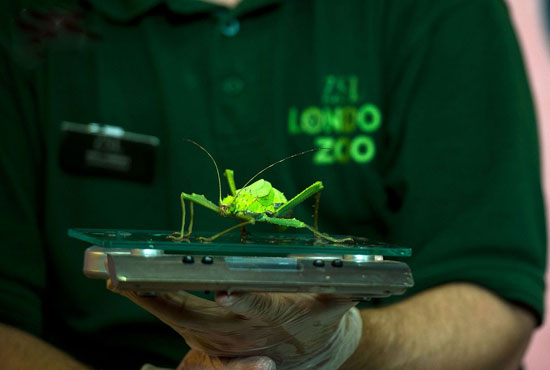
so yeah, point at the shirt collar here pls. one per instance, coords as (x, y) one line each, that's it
(126, 10)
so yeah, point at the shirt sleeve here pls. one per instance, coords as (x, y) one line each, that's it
(22, 266)
(466, 153)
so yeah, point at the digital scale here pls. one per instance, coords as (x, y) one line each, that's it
(147, 262)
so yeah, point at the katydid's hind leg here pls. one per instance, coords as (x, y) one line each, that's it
(292, 222)
(299, 198)
(315, 228)
(321, 235)
(181, 235)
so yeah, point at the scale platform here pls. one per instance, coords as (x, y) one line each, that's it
(147, 261)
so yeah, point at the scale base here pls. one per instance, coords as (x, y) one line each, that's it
(359, 277)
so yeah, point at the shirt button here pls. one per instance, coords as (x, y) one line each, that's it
(233, 85)
(230, 27)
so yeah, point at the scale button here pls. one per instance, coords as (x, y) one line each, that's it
(207, 260)
(337, 263)
(319, 263)
(188, 259)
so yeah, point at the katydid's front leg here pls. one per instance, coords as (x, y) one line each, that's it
(230, 176)
(180, 236)
(192, 198)
(242, 224)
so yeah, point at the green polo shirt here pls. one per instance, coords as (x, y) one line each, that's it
(424, 105)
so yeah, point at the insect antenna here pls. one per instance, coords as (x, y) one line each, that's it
(215, 164)
(273, 164)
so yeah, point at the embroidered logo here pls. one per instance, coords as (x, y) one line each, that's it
(341, 123)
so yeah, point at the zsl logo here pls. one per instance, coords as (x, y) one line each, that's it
(339, 123)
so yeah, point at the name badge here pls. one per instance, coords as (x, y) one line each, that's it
(107, 151)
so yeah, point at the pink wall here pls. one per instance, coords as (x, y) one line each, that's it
(529, 22)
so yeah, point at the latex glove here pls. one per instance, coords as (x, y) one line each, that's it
(195, 360)
(153, 367)
(297, 331)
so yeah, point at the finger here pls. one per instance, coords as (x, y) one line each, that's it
(198, 360)
(251, 363)
(269, 307)
(250, 305)
(277, 306)
(337, 302)
(182, 309)
(177, 309)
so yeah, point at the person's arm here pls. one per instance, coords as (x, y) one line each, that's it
(22, 266)
(435, 330)
(20, 350)
(467, 177)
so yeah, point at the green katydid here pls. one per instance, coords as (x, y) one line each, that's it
(257, 202)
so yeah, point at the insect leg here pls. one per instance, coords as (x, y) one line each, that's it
(299, 198)
(242, 224)
(229, 175)
(179, 236)
(293, 222)
(191, 218)
(316, 211)
(192, 198)
(326, 236)
(244, 233)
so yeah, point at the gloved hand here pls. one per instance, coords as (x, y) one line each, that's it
(297, 331)
(196, 360)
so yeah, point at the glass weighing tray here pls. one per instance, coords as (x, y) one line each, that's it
(256, 244)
